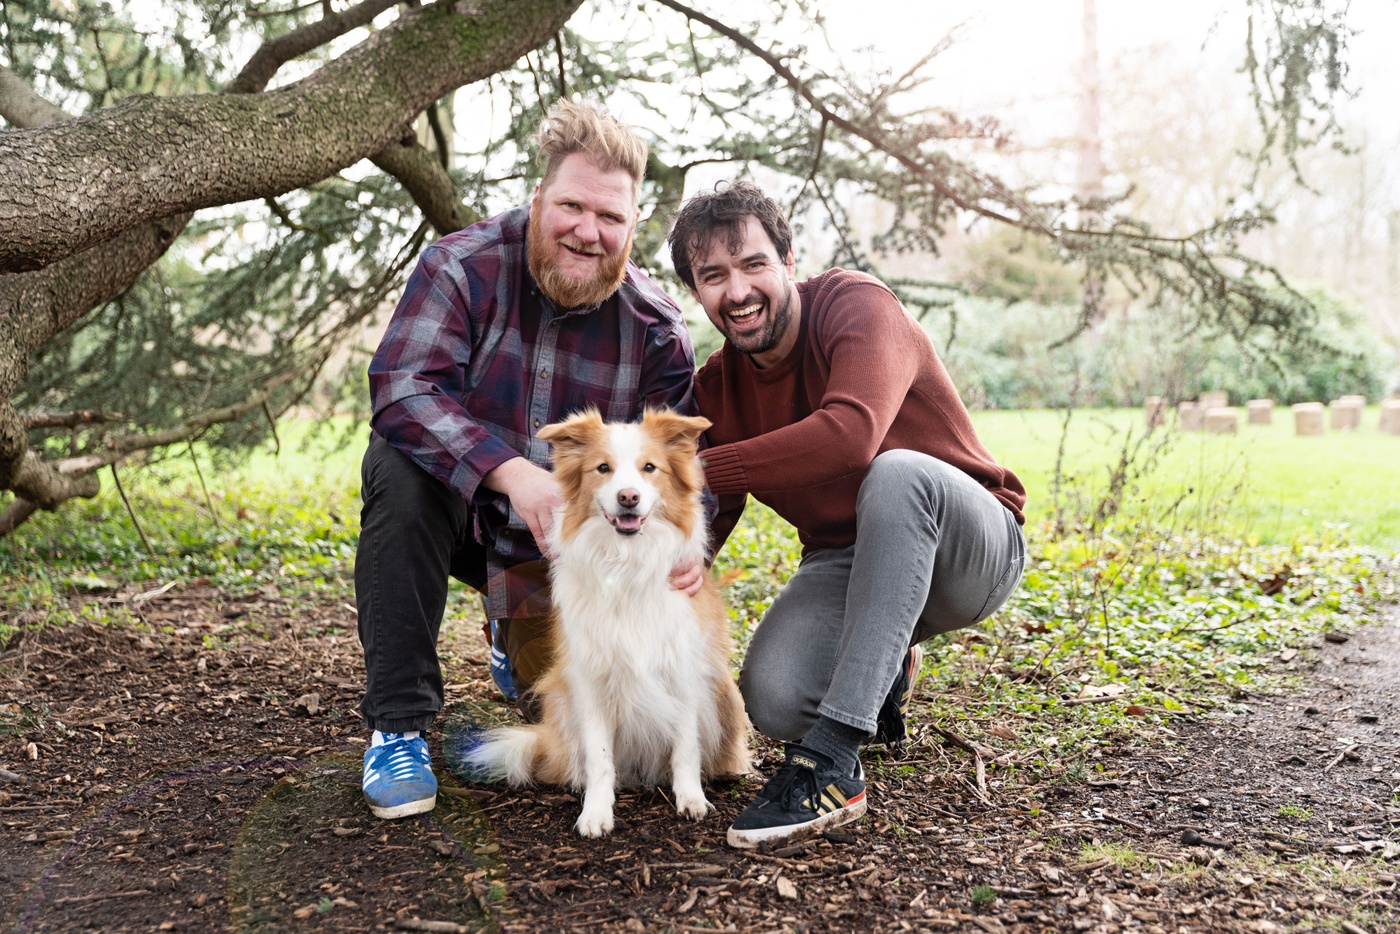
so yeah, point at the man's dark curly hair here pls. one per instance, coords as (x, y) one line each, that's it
(723, 212)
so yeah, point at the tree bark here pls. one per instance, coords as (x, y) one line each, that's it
(427, 182)
(21, 106)
(152, 157)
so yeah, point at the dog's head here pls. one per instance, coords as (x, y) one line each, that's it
(628, 473)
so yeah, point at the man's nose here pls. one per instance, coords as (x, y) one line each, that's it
(587, 228)
(736, 288)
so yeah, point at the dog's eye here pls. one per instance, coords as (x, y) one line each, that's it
(649, 468)
(605, 468)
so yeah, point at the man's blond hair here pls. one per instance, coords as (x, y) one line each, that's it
(611, 145)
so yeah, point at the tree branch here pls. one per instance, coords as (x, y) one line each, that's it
(275, 53)
(21, 106)
(38, 484)
(32, 420)
(145, 158)
(424, 178)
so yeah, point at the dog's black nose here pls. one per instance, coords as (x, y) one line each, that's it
(628, 499)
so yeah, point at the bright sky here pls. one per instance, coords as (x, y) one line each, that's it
(1020, 52)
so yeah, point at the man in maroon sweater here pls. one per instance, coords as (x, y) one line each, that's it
(831, 406)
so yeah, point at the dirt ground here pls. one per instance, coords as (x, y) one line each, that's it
(200, 772)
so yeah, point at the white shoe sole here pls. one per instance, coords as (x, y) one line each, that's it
(748, 839)
(404, 810)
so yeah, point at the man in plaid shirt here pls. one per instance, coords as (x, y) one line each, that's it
(503, 328)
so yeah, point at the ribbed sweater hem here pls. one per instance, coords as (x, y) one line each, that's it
(723, 471)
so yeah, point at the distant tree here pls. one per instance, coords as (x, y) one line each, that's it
(186, 237)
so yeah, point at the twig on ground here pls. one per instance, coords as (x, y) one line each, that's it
(976, 753)
(1101, 699)
(1341, 755)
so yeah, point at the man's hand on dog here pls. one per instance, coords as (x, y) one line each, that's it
(534, 495)
(688, 575)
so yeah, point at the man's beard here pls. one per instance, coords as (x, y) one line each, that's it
(563, 290)
(779, 320)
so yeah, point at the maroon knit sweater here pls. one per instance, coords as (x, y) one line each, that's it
(862, 379)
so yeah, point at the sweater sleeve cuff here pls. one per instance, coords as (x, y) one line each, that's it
(724, 473)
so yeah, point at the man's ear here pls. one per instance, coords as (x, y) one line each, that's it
(790, 263)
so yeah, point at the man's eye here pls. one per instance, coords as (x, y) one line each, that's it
(605, 468)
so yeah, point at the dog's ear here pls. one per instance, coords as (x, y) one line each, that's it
(673, 427)
(575, 430)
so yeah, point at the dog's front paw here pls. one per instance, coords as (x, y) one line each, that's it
(694, 807)
(598, 823)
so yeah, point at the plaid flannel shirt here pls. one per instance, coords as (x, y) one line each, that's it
(476, 359)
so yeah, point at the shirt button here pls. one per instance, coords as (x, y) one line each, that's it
(537, 423)
(544, 373)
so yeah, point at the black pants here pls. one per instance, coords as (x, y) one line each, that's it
(415, 533)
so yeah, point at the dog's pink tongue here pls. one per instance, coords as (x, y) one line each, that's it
(628, 523)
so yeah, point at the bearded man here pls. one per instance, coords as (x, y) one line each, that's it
(503, 327)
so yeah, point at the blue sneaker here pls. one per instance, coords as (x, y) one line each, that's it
(398, 778)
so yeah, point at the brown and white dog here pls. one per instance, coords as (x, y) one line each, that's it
(639, 691)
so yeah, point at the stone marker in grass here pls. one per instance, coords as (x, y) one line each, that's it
(1221, 420)
(1346, 413)
(1390, 416)
(1307, 418)
(1190, 416)
(1214, 399)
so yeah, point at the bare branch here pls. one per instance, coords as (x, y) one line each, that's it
(424, 178)
(275, 53)
(15, 515)
(34, 420)
(22, 106)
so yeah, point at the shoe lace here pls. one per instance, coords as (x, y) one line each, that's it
(790, 785)
(399, 760)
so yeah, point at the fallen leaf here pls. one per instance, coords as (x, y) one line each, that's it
(1276, 583)
(1112, 689)
(785, 888)
(1135, 710)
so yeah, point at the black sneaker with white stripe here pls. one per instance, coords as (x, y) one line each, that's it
(806, 796)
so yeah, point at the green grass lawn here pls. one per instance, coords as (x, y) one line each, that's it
(1263, 484)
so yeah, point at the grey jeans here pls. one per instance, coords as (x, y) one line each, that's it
(934, 552)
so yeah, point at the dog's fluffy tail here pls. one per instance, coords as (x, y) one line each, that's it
(504, 753)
